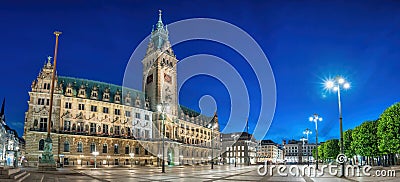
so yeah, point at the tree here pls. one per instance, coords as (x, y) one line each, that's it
(365, 142)
(389, 130)
(331, 149)
(321, 149)
(347, 140)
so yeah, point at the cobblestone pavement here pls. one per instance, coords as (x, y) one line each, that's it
(187, 173)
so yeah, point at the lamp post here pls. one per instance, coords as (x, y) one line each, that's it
(161, 108)
(307, 132)
(302, 147)
(181, 159)
(131, 155)
(235, 140)
(108, 160)
(335, 85)
(316, 118)
(211, 125)
(80, 158)
(95, 153)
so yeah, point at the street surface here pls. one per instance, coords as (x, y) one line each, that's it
(186, 173)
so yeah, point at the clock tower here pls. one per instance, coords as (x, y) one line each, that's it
(159, 70)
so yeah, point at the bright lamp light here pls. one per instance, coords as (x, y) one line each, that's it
(329, 84)
(311, 119)
(346, 85)
(340, 80)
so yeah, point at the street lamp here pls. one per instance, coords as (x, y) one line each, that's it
(335, 85)
(108, 158)
(131, 155)
(211, 125)
(302, 147)
(161, 108)
(181, 159)
(307, 132)
(315, 118)
(95, 153)
(80, 159)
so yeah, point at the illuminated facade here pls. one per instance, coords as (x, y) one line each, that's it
(120, 123)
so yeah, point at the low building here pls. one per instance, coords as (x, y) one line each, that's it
(269, 151)
(297, 152)
(240, 147)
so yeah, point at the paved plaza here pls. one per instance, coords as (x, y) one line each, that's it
(187, 173)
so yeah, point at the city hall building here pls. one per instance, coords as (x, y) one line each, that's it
(123, 125)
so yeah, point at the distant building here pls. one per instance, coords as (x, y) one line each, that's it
(296, 152)
(243, 151)
(10, 144)
(269, 151)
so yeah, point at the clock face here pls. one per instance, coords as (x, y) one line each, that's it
(167, 78)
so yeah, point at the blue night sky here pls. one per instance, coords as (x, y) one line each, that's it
(305, 41)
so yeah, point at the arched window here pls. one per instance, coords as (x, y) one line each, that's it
(66, 146)
(92, 147)
(41, 144)
(127, 149)
(80, 147)
(116, 149)
(105, 148)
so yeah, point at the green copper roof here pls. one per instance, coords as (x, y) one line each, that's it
(101, 86)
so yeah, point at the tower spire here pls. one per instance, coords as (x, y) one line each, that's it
(159, 23)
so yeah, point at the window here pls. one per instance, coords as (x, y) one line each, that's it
(92, 147)
(68, 105)
(105, 110)
(105, 148)
(67, 125)
(69, 91)
(137, 150)
(93, 108)
(92, 127)
(66, 146)
(137, 115)
(117, 99)
(116, 149)
(117, 112)
(41, 144)
(40, 101)
(105, 128)
(147, 117)
(117, 128)
(138, 132)
(127, 113)
(106, 96)
(43, 124)
(80, 127)
(47, 86)
(146, 133)
(79, 148)
(47, 101)
(81, 106)
(127, 149)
